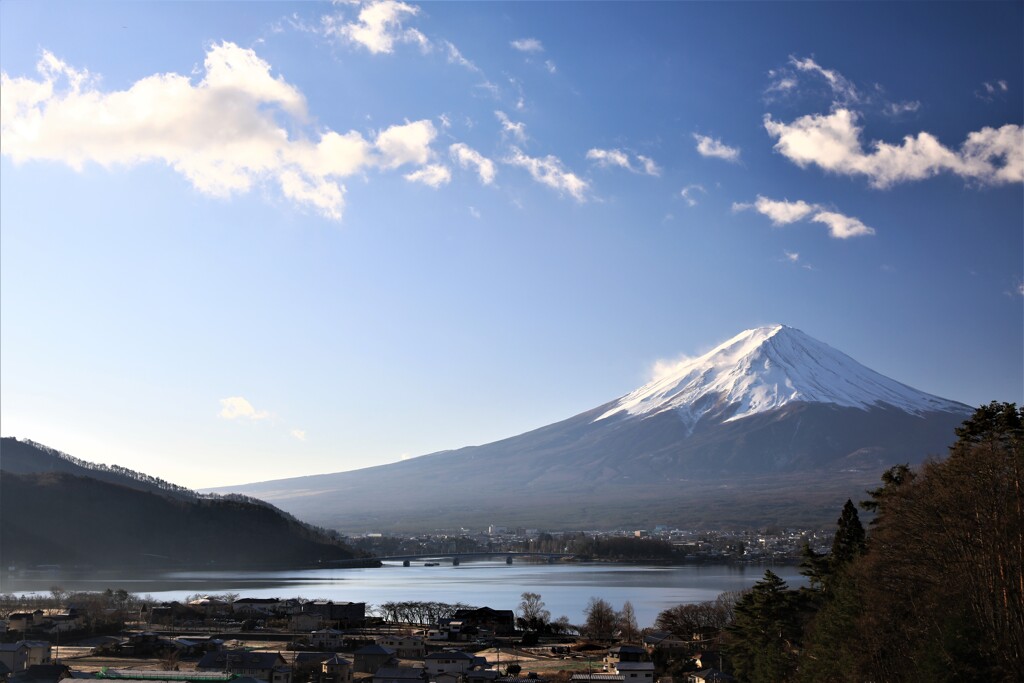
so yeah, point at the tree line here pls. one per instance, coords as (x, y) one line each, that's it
(932, 590)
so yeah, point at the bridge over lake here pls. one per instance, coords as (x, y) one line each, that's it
(456, 558)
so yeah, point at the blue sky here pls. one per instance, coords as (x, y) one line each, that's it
(243, 241)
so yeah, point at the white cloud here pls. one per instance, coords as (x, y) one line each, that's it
(991, 90)
(513, 128)
(610, 157)
(650, 166)
(236, 407)
(688, 194)
(527, 45)
(455, 57)
(784, 212)
(842, 227)
(406, 144)
(616, 157)
(434, 175)
(445, 121)
(792, 256)
(550, 171)
(379, 27)
(299, 434)
(475, 212)
(468, 157)
(832, 142)
(899, 108)
(710, 147)
(842, 88)
(550, 66)
(225, 134)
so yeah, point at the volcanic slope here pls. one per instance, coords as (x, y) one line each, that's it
(770, 427)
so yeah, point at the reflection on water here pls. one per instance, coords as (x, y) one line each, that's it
(565, 588)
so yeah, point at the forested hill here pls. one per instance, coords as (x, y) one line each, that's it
(55, 510)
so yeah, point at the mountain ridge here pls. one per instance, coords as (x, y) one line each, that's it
(679, 439)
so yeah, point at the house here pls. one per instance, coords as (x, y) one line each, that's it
(43, 673)
(481, 676)
(263, 666)
(14, 656)
(405, 647)
(597, 678)
(635, 672)
(624, 653)
(5, 672)
(372, 657)
(327, 639)
(341, 614)
(310, 662)
(305, 622)
(400, 674)
(336, 670)
(451, 662)
(255, 605)
(663, 641)
(38, 652)
(532, 678)
(501, 621)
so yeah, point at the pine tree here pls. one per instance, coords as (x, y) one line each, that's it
(762, 638)
(849, 541)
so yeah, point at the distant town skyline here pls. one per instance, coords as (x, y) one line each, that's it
(247, 241)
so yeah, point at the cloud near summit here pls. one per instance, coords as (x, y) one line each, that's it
(226, 134)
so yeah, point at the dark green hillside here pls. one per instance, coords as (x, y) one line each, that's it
(63, 515)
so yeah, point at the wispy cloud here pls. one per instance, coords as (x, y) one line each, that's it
(224, 134)
(516, 129)
(299, 434)
(606, 158)
(467, 157)
(784, 212)
(989, 156)
(528, 45)
(842, 89)
(690, 192)
(378, 27)
(432, 175)
(236, 407)
(550, 171)
(989, 91)
(711, 147)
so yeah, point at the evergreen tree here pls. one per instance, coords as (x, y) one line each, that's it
(762, 638)
(849, 541)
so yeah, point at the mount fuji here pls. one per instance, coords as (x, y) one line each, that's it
(771, 427)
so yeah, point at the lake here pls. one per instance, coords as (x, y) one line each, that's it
(565, 588)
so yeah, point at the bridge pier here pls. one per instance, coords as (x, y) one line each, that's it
(455, 562)
(405, 563)
(508, 560)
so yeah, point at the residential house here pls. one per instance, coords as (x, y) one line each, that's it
(255, 606)
(38, 652)
(327, 639)
(5, 672)
(336, 670)
(635, 672)
(405, 647)
(451, 662)
(306, 663)
(269, 667)
(14, 656)
(400, 674)
(624, 653)
(42, 673)
(340, 614)
(663, 641)
(501, 621)
(370, 658)
(305, 621)
(597, 678)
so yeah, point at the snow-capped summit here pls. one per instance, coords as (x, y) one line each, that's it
(764, 369)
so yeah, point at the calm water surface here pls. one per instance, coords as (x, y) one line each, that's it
(565, 588)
